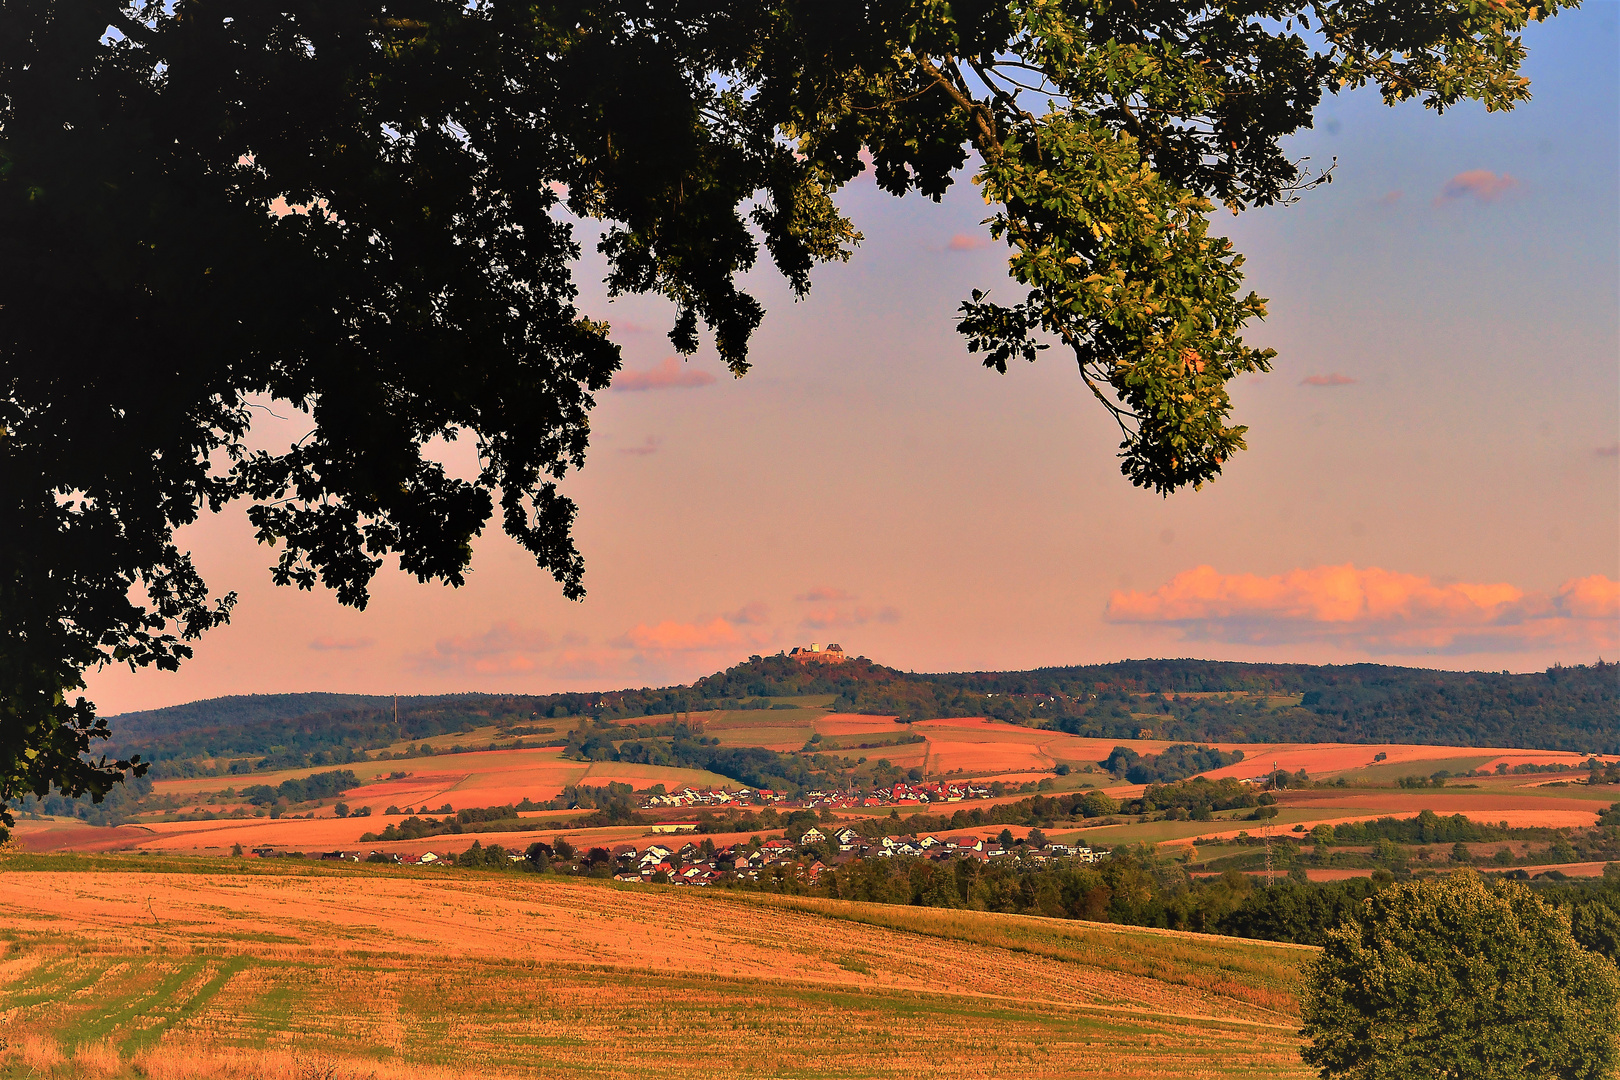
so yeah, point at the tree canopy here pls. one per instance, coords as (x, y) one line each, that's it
(1455, 978)
(366, 211)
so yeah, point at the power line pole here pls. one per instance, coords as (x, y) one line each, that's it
(1265, 830)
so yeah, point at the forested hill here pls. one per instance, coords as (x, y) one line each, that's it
(300, 725)
(1573, 708)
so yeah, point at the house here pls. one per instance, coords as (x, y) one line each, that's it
(628, 877)
(812, 835)
(928, 842)
(674, 827)
(965, 843)
(776, 847)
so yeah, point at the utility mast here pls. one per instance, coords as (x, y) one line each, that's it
(1265, 829)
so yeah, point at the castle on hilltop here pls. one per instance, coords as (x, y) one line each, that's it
(815, 654)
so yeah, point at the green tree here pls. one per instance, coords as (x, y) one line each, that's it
(364, 211)
(539, 857)
(1454, 978)
(1098, 804)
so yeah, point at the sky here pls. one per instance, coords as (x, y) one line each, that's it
(1433, 476)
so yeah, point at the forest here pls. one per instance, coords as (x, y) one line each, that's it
(1186, 701)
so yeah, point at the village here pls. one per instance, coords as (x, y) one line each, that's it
(903, 793)
(702, 863)
(692, 864)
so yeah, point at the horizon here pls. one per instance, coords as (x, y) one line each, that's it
(384, 696)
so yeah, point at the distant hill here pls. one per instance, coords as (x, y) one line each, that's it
(293, 725)
(1573, 708)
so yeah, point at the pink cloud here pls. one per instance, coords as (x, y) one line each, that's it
(966, 242)
(1389, 198)
(669, 375)
(1332, 379)
(670, 636)
(830, 617)
(825, 594)
(1612, 450)
(1594, 597)
(1375, 610)
(325, 644)
(750, 614)
(650, 446)
(502, 649)
(1482, 184)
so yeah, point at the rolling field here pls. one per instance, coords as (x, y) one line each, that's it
(185, 968)
(967, 748)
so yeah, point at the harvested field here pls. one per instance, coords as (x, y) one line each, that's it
(1578, 869)
(1517, 808)
(1355, 760)
(72, 835)
(485, 778)
(488, 975)
(858, 724)
(979, 747)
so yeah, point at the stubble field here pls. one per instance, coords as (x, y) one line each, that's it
(178, 968)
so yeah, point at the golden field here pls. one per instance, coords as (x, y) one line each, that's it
(177, 968)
